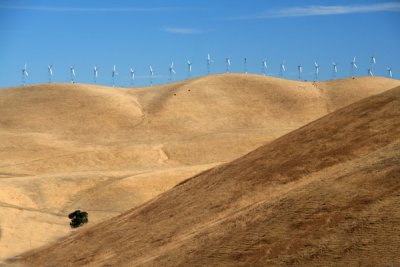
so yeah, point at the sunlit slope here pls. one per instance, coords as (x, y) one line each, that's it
(325, 194)
(105, 150)
(72, 127)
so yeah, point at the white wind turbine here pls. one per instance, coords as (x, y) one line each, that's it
(50, 72)
(389, 70)
(132, 72)
(189, 64)
(25, 74)
(316, 70)
(171, 70)
(95, 74)
(282, 69)
(264, 66)
(300, 70)
(373, 62)
(227, 64)
(245, 65)
(113, 74)
(151, 76)
(353, 66)
(334, 69)
(370, 73)
(209, 61)
(72, 73)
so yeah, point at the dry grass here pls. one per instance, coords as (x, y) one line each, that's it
(106, 150)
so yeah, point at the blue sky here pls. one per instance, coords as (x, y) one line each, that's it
(155, 32)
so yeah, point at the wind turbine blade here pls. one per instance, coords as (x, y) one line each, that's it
(355, 66)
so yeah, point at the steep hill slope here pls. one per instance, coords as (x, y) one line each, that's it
(105, 150)
(325, 194)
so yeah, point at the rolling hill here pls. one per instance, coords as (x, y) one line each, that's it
(106, 150)
(326, 194)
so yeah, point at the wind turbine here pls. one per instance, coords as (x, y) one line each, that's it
(264, 66)
(353, 66)
(389, 69)
(282, 69)
(95, 73)
(189, 64)
(50, 71)
(132, 71)
(72, 73)
(300, 70)
(373, 62)
(334, 69)
(209, 61)
(25, 74)
(370, 73)
(171, 71)
(113, 74)
(245, 65)
(151, 76)
(227, 64)
(316, 70)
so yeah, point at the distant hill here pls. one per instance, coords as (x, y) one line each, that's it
(326, 194)
(78, 127)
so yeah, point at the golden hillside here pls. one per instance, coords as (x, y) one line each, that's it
(105, 150)
(326, 194)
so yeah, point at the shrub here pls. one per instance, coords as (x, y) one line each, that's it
(78, 218)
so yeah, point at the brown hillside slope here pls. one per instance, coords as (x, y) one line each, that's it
(105, 150)
(326, 194)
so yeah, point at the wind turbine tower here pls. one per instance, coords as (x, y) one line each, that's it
(300, 70)
(72, 73)
(353, 66)
(334, 69)
(264, 66)
(245, 65)
(209, 61)
(316, 70)
(50, 72)
(370, 73)
(132, 71)
(282, 69)
(227, 64)
(113, 74)
(189, 64)
(151, 75)
(95, 74)
(389, 70)
(373, 62)
(171, 70)
(25, 74)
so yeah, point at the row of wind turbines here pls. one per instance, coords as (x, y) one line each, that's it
(228, 64)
